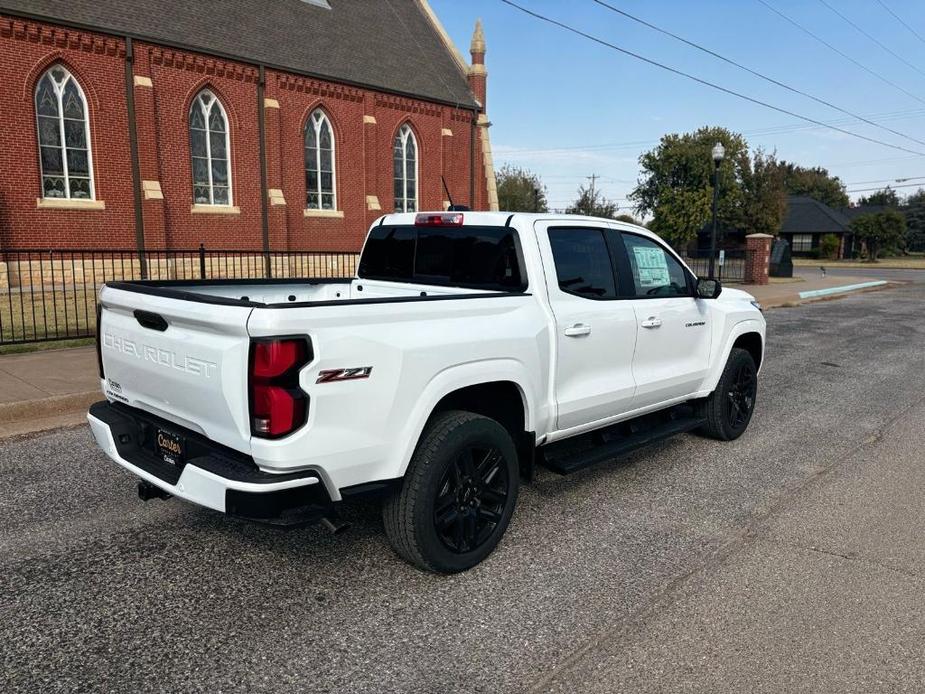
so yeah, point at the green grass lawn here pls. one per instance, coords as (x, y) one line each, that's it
(47, 314)
(904, 262)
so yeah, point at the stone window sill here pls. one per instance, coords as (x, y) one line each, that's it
(69, 204)
(331, 214)
(215, 209)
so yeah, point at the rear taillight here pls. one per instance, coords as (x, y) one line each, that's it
(99, 335)
(277, 405)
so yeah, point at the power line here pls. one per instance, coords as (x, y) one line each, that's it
(900, 20)
(840, 52)
(749, 70)
(702, 81)
(874, 39)
(886, 180)
(759, 132)
(868, 190)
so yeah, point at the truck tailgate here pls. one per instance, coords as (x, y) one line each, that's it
(184, 361)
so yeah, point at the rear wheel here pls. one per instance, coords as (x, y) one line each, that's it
(458, 494)
(729, 408)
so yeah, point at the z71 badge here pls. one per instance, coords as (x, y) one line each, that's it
(354, 374)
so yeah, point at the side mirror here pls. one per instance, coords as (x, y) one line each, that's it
(708, 288)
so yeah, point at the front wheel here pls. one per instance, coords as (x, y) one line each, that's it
(729, 408)
(458, 494)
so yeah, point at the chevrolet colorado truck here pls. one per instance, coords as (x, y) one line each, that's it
(470, 347)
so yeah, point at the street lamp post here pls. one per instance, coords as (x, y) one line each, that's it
(718, 153)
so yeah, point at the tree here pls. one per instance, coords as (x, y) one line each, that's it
(765, 198)
(592, 202)
(886, 198)
(815, 182)
(630, 219)
(879, 230)
(914, 210)
(520, 190)
(677, 186)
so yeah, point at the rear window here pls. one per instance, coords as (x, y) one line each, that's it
(474, 257)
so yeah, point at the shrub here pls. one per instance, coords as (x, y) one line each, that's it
(828, 246)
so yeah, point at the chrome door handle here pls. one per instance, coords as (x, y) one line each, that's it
(651, 322)
(578, 330)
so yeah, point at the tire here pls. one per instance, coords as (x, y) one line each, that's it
(729, 408)
(458, 494)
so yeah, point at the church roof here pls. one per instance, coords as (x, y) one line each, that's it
(390, 45)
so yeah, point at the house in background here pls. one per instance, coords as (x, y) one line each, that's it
(808, 220)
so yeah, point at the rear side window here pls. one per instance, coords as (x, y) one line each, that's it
(583, 265)
(474, 257)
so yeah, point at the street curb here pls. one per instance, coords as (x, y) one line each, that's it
(829, 291)
(796, 301)
(53, 406)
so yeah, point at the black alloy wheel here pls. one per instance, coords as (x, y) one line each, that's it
(728, 410)
(471, 498)
(458, 494)
(740, 397)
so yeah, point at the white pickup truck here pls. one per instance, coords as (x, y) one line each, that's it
(470, 347)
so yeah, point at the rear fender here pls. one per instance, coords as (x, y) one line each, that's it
(451, 380)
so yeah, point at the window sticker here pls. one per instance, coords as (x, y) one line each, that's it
(652, 266)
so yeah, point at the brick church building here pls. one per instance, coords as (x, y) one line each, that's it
(289, 124)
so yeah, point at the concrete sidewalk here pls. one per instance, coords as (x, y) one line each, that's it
(46, 390)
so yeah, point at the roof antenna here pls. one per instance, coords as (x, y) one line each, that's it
(452, 207)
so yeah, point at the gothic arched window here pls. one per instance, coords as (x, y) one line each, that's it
(405, 160)
(210, 149)
(64, 136)
(320, 192)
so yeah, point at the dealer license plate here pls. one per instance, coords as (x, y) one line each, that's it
(170, 447)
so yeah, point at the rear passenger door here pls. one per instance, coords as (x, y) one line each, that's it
(673, 335)
(595, 331)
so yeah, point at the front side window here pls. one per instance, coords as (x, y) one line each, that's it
(475, 257)
(656, 273)
(64, 136)
(583, 264)
(210, 149)
(405, 163)
(319, 163)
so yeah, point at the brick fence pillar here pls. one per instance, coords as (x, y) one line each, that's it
(757, 258)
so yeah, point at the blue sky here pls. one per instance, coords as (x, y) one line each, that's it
(568, 108)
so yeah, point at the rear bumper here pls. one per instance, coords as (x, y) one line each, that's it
(213, 476)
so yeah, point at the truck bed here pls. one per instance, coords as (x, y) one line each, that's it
(288, 292)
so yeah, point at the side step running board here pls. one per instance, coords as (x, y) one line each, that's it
(572, 455)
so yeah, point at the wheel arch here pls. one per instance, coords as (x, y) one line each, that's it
(498, 390)
(753, 343)
(748, 334)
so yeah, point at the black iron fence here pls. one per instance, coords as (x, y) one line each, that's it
(731, 270)
(51, 294)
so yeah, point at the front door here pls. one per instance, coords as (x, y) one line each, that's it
(673, 337)
(595, 331)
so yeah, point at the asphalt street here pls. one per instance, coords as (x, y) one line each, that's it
(789, 560)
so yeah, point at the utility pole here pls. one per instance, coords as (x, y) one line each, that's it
(593, 178)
